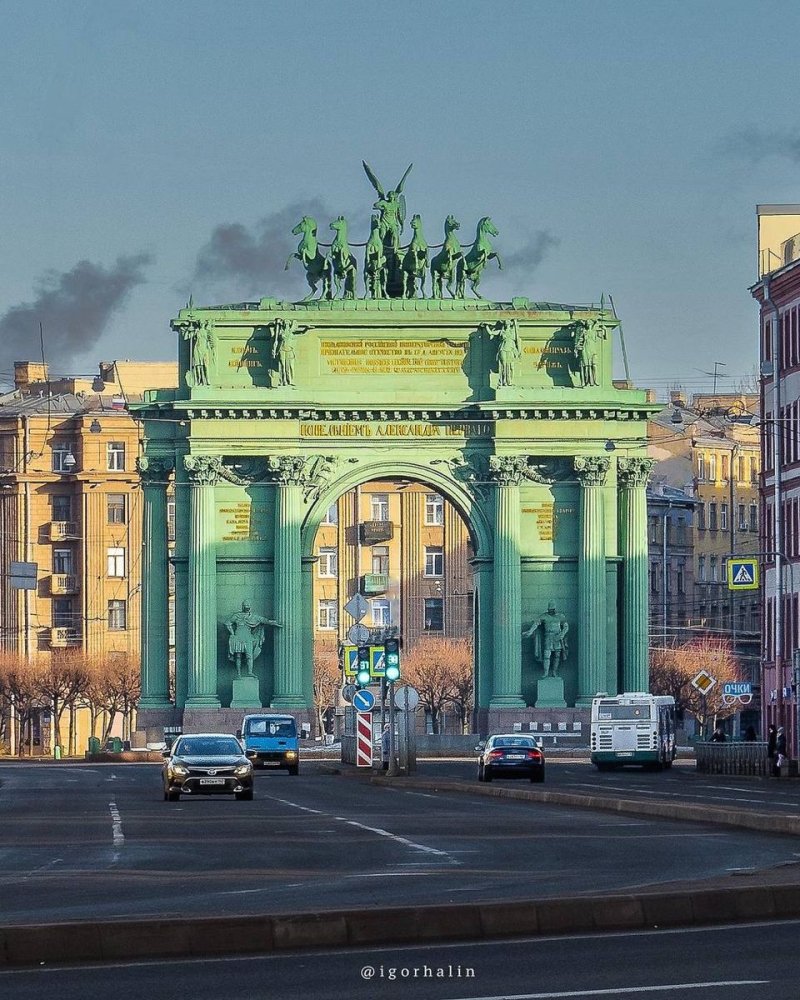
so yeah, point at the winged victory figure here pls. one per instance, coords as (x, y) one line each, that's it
(391, 206)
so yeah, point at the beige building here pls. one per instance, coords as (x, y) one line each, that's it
(404, 548)
(70, 503)
(710, 448)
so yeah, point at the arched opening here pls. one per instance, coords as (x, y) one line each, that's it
(402, 543)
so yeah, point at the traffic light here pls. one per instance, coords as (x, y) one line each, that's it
(363, 671)
(392, 647)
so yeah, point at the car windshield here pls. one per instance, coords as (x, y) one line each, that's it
(512, 741)
(271, 727)
(208, 747)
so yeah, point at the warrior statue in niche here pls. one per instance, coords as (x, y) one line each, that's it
(246, 630)
(550, 646)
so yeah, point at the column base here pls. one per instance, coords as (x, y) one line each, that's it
(203, 701)
(288, 701)
(584, 701)
(507, 701)
(155, 703)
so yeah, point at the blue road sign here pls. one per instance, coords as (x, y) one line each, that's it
(742, 574)
(363, 701)
(736, 688)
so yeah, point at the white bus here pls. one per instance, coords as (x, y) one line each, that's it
(633, 728)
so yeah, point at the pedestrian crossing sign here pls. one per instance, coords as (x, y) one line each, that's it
(742, 574)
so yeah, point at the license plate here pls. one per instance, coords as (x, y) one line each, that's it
(212, 781)
(625, 753)
(272, 763)
(515, 756)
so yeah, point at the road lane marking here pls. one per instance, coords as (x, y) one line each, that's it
(116, 825)
(372, 829)
(623, 989)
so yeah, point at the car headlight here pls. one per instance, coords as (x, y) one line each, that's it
(179, 770)
(291, 754)
(243, 770)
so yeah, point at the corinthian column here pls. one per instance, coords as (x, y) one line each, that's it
(507, 592)
(154, 473)
(203, 472)
(592, 651)
(633, 474)
(287, 690)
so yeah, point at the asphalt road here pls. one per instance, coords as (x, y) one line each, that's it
(80, 841)
(741, 962)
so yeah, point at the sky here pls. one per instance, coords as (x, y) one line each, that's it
(149, 151)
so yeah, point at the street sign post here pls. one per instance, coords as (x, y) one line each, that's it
(348, 693)
(364, 739)
(406, 698)
(357, 607)
(358, 634)
(363, 701)
(377, 666)
(742, 574)
(704, 682)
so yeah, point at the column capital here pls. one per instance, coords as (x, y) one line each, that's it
(507, 470)
(154, 471)
(634, 472)
(592, 469)
(288, 470)
(204, 470)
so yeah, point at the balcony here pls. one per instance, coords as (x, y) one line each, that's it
(63, 531)
(61, 637)
(374, 583)
(63, 583)
(376, 531)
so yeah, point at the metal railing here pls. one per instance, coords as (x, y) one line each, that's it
(732, 758)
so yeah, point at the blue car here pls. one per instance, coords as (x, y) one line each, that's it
(272, 741)
(510, 756)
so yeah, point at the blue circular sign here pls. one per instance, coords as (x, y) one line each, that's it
(363, 701)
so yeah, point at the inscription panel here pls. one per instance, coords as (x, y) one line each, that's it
(390, 357)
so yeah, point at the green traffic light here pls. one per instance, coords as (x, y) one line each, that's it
(392, 672)
(362, 677)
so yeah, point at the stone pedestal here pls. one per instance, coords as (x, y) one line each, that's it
(245, 692)
(550, 693)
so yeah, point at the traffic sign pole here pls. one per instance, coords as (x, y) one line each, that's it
(364, 739)
(392, 749)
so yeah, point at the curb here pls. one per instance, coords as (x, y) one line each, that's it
(764, 822)
(218, 936)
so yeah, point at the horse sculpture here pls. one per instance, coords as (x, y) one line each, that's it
(415, 261)
(375, 262)
(343, 263)
(478, 257)
(308, 253)
(447, 265)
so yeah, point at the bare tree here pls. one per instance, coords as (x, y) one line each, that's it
(462, 673)
(428, 668)
(327, 680)
(18, 683)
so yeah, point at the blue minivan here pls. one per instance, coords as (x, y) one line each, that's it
(271, 741)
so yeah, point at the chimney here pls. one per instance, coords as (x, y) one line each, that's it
(677, 397)
(28, 372)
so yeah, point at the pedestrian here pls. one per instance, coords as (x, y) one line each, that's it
(719, 736)
(386, 737)
(772, 739)
(780, 751)
(750, 734)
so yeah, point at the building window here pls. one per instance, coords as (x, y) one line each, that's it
(653, 578)
(753, 470)
(434, 614)
(754, 517)
(712, 516)
(115, 505)
(116, 562)
(62, 612)
(62, 507)
(742, 517)
(742, 468)
(328, 562)
(434, 509)
(170, 520)
(680, 578)
(327, 615)
(701, 569)
(117, 616)
(652, 525)
(380, 560)
(62, 561)
(379, 507)
(723, 517)
(726, 470)
(668, 578)
(701, 516)
(116, 456)
(381, 614)
(62, 450)
(331, 514)
(712, 467)
(434, 560)
(701, 467)
(714, 567)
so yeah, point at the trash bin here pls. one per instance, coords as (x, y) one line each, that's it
(94, 745)
(57, 752)
(116, 744)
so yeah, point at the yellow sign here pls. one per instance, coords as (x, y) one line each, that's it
(742, 574)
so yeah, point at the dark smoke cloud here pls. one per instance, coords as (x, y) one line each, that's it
(531, 254)
(249, 262)
(74, 308)
(755, 144)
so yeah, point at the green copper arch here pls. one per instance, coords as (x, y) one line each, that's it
(474, 517)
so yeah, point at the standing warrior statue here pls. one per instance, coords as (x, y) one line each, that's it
(202, 349)
(246, 631)
(550, 640)
(509, 349)
(586, 348)
(391, 206)
(283, 333)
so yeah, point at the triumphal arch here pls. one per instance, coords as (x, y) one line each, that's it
(394, 366)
